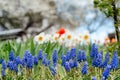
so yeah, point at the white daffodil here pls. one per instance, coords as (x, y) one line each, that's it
(62, 39)
(48, 37)
(39, 38)
(55, 37)
(76, 40)
(69, 36)
(86, 37)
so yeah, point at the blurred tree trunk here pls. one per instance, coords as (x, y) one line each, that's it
(115, 16)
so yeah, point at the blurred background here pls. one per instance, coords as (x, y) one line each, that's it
(21, 18)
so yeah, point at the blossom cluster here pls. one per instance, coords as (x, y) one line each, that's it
(70, 60)
(63, 37)
(69, 39)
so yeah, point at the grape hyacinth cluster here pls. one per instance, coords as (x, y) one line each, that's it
(98, 62)
(4, 66)
(73, 59)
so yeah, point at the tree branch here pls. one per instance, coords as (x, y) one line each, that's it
(14, 33)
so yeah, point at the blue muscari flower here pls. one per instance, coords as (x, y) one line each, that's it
(23, 62)
(54, 64)
(93, 77)
(67, 66)
(27, 55)
(40, 55)
(35, 60)
(83, 55)
(55, 57)
(72, 53)
(45, 61)
(68, 56)
(11, 56)
(75, 63)
(94, 51)
(63, 58)
(52, 70)
(4, 66)
(44, 58)
(106, 71)
(84, 68)
(17, 60)
(27, 60)
(3, 72)
(30, 62)
(10, 65)
(15, 67)
(79, 56)
(71, 63)
(106, 60)
(97, 61)
(115, 61)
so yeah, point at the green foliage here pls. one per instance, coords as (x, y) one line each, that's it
(111, 47)
(42, 72)
(110, 9)
(104, 6)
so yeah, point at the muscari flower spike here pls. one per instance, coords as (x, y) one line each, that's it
(55, 58)
(52, 69)
(4, 66)
(40, 55)
(106, 72)
(97, 61)
(75, 63)
(106, 60)
(67, 66)
(94, 51)
(17, 60)
(10, 65)
(3, 72)
(35, 60)
(27, 55)
(23, 62)
(115, 61)
(71, 63)
(79, 56)
(93, 77)
(84, 68)
(15, 67)
(30, 62)
(45, 61)
(72, 53)
(63, 60)
(83, 55)
(11, 56)
(68, 56)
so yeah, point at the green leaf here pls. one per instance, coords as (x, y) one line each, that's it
(18, 49)
(48, 49)
(54, 46)
(32, 47)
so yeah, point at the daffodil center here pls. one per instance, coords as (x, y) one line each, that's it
(56, 38)
(86, 37)
(40, 38)
(69, 37)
